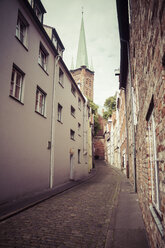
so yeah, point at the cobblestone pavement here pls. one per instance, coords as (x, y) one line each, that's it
(77, 218)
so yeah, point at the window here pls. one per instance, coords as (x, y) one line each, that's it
(54, 40)
(154, 166)
(59, 113)
(72, 134)
(21, 29)
(73, 90)
(16, 85)
(73, 111)
(79, 103)
(40, 106)
(153, 162)
(79, 156)
(42, 59)
(60, 50)
(79, 129)
(38, 12)
(61, 77)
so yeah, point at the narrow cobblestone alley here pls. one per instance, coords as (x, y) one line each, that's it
(79, 217)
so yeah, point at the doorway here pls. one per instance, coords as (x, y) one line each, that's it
(71, 167)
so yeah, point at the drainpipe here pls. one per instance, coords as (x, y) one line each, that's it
(56, 59)
(133, 121)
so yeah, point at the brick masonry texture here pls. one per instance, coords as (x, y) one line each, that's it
(147, 47)
(86, 79)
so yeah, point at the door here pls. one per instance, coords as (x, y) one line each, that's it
(71, 167)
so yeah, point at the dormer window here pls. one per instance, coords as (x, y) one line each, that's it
(60, 51)
(38, 12)
(54, 40)
(38, 9)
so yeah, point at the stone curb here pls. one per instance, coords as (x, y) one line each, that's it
(45, 196)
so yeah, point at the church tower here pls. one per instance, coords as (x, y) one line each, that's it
(83, 74)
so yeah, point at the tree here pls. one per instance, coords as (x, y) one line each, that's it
(110, 105)
(94, 108)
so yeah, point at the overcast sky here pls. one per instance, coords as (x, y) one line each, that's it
(102, 38)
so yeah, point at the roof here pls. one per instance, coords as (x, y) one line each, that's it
(56, 35)
(82, 58)
(41, 27)
(123, 21)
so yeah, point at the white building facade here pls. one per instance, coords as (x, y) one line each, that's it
(41, 107)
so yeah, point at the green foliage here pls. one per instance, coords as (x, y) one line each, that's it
(94, 108)
(97, 126)
(110, 105)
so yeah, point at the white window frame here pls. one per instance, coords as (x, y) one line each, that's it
(22, 29)
(59, 113)
(43, 57)
(61, 77)
(40, 102)
(54, 40)
(38, 12)
(72, 134)
(16, 84)
(154, 163)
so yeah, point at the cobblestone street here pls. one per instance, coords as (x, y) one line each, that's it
(79, 217)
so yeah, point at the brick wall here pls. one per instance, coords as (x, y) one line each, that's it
(85, 78)
(147, 47)
(99, 142)
(99, 148)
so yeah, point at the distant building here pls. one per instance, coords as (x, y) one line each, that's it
(122, 132)
(99, 143)
(82, 73)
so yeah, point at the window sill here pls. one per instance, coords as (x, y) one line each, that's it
(61, 84)
(43, 69)
(73, 115)
(21, 43)
(60, 121)
(40, 114)
(17, 100)
(157, 220)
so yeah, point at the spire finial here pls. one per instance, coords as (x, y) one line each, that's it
(82, 58)
(82, 10)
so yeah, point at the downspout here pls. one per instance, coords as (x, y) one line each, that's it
(56, 59)
(133, 121)
(127, 133)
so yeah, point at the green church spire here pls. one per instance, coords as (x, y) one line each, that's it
(82, 58)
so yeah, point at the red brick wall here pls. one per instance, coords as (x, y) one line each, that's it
(147, 47)
(99, 148)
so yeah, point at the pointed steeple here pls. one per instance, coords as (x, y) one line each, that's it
(82, 58)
